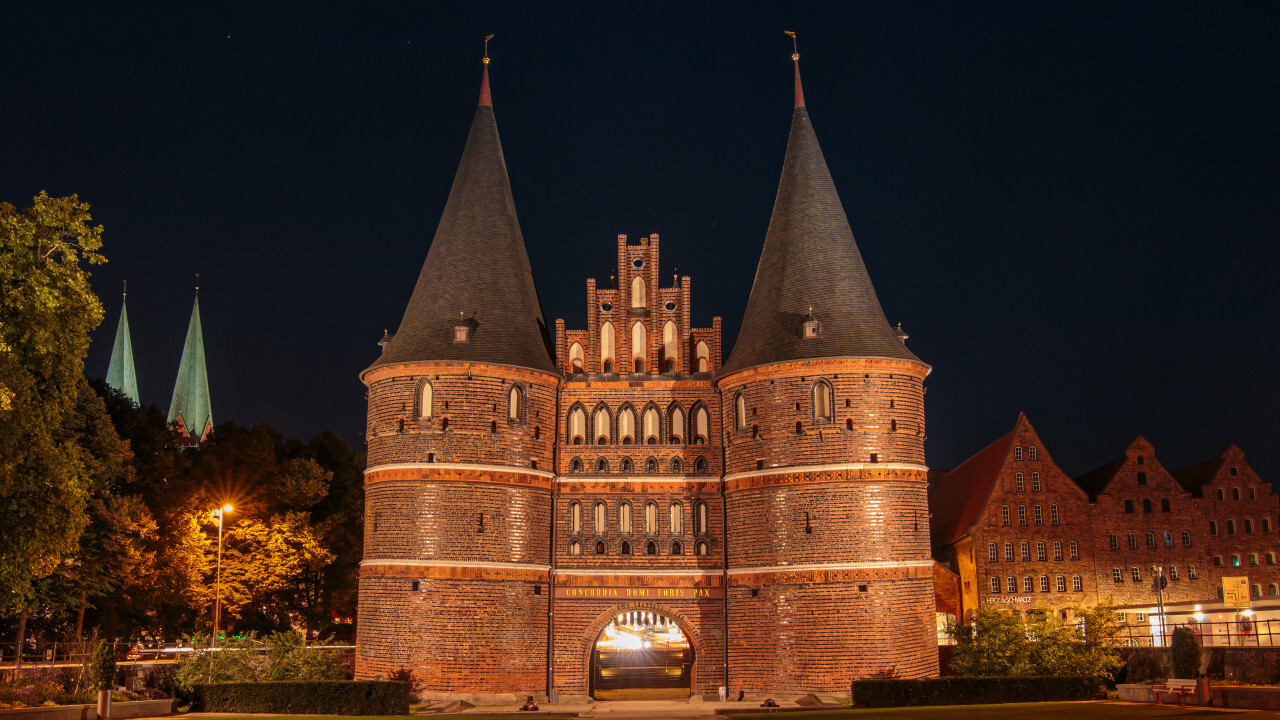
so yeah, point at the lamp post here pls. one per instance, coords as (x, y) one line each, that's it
(217, 577)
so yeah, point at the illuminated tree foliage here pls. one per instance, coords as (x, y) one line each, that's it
(47, 310)
(1000, 643)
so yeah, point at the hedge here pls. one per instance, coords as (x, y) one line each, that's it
(306, 698)
(973, 690)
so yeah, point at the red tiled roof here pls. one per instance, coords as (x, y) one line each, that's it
(957, 498)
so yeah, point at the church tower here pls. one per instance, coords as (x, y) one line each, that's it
(121, 374)
(829, 574)
(190, 411)
(461, 424)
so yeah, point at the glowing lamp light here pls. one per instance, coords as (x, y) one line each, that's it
(1199, 616)
(227, 508)
(1247, 613)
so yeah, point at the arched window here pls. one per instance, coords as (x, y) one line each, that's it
(1151, 540)
(651, 465)
(577, 360)
(626, 465)
(639, 346)
(515, 404)
(1235, 493)
(702, 516)
(626, 547)
(995, 584)
(701, 425)
(599, 547)
(1040, 550)
(1271, 558)
(1222, 494)
(703, 549)
(1017, 452)
(991, 552)
(600, 421)
(651, 548)
(676, 465)
(1022, 514)
(1057, 549)
(677, 519)
(577, 426)
(575, 548)
(822, 401)
(607, 342)
(602, 465)
(1146, 506)
(1044, 583)
(1075, 550)
(1248, 526)
(1031, 453)
(670, 342)
(1231, 527)
(1164, 505)
(1191, 572)
(1028, 585)
(1235, 561)
(1012, 584)
(1133, 541)
(676, 415)
(575, 517)
(624, 518)
(651, 518)
(1004, 514)
(652, 425)
(1168, 539)
(1035, 482)
(1186, 538)
(627, 425)
(1024, 551)
(1253, 559)
(700, 465)
(598, 516)
(637, 293)
(740, 412)
(1039, 514)
(1019, 482)
(702, 357)
(1060, 583)
(1115, 542)
(424, 399)
(1008, 552)
(1213, 527)
(1053, 514)
(1173, 572)
(677, 548)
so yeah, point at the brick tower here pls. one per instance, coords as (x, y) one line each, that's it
(462, 417)
(829, 574)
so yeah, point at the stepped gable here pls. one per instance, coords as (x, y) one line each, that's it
(811, 267)
(477, 271)
(121, 373)
(956, 498)
(191, 409)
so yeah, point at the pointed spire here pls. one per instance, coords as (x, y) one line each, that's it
(477, 269)
(812, 296)
(795, 58)
(485, 99)
(121, 374)
(191, 408)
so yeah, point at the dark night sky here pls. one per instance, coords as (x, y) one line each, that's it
(1073, 208)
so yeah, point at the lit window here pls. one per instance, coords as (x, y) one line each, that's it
(1035, 482)
(1075, 550)
(1077, 585)
(424, 400)
(1053, 514)
(1235, 561)
(1018, 483)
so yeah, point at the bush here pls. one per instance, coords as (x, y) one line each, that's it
(974, 690)
(102, 668)
(306, 698)
(279, 656)
(1185, 648)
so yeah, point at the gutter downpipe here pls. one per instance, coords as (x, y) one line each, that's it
(551, 574)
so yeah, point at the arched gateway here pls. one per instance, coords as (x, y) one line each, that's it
(640, 653)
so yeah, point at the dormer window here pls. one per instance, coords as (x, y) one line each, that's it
(461, 334)
(811, 327)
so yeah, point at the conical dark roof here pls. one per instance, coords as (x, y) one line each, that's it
(477, 271)
(811, 266)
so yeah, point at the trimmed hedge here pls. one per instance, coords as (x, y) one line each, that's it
(349, 697)
(974, 690)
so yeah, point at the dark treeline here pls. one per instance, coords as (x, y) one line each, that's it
(144, 566)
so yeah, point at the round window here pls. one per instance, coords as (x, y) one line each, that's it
(607, 307)
(637, 263)
(670, 306)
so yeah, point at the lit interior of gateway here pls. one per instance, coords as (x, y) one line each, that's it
(638, 651)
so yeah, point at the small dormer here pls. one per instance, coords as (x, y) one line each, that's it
(464, 330)
(902, 334)
(812, 328)
(386, 339)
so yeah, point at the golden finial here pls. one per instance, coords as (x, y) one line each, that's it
(795, 49)
(125, 292)
(197, 283)
(487, 38)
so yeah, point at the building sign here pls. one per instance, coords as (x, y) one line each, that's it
(637, 593)
(1235, 591)
(1011, 599)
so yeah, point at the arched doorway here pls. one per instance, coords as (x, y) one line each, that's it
(641, 655)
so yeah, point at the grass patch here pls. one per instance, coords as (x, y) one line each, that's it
(1015, 711)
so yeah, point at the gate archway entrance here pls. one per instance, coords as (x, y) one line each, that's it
(641, 655)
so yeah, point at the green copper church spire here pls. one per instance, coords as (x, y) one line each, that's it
(120, 372)
(191, 412)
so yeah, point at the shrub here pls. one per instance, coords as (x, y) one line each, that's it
(306, 698)
(102, 668)
(279, 656)
(1185, 648)
(974, 690)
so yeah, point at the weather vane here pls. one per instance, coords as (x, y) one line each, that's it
(197, 283)
(487, 38)
(795, 49)
(125, 292)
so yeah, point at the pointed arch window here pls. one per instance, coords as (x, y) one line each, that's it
(639, 346)
(677, 425)
(575, 517)
(602, 465)
(599, 516)
(677, 548)
(701, 425)
(651, 548)
(676, 465)
(607, 343)
(515, 404)
(702, 549)
(651, 465)
(822, 401)
(702, 357)
(740, 411)
(624, 518)
(626, 465)
(424, 399)
(626, 548)
(577, 359)
(652, 426)
(676, 523)
(627, 425)
(637, 293)
(601, 425)
(701, 517)
(577, 426)
(651, 518)
(700, 465)
(575, 548)
(671, 344)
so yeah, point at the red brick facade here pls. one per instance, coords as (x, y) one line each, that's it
(1124, 519)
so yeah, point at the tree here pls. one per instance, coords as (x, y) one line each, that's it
(998, 643)
(994, 644)
(102, 668)
(1185, 648)
(47, 310)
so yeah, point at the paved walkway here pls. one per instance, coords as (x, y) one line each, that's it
(633, 709)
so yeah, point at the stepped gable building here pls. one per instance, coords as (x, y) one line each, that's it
(620, 510)
(997, 512)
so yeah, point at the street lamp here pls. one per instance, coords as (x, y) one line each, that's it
(217, 577)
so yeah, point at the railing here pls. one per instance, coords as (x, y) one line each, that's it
(75, 653)
(1212, 633)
